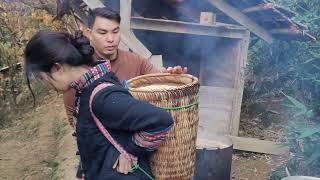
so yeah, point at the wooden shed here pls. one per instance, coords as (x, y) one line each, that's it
(211, 38)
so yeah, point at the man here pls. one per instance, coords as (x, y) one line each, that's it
(104, 35)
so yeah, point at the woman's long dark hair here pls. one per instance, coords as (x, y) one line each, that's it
(47, 48)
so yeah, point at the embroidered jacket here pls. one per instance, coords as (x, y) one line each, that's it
(138, 126)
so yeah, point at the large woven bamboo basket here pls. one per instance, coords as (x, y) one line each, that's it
(178, 94)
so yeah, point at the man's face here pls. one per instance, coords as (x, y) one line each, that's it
(105, 36)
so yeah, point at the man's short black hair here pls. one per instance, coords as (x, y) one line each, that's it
(104, 12)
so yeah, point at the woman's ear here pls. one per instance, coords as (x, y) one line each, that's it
(88, 34)
(56, 67)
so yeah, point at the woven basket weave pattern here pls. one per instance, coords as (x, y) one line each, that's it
(175, 159)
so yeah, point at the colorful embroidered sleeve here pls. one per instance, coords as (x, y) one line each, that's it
(117, 109)
(150, 140)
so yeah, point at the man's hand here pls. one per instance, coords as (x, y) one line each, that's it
(175, 70)
(123, 165)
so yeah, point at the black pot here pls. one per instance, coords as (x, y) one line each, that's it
(213, 159)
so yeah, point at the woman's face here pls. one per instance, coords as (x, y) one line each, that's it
(59, 78)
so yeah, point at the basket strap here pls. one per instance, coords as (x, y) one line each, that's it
(102, 129)
(181, 107)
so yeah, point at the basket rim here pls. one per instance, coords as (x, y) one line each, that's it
(195, 81)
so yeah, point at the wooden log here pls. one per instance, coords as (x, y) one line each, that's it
(213, 159)
(242, 143)
(260, 146)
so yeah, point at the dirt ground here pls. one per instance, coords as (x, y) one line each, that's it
(249, 169)
(41, 146)
(29, 148)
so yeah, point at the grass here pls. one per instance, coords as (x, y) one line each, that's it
(32, 127)
(52, 167)
(59, 128)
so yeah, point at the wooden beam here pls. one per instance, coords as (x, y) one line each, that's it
(269, 7)
(128, 38)
(94, 3)
(124, 47)
(286, 11)
(217, 30)
(242, 19)
(285, 31)
(293, 34)
(259, 146)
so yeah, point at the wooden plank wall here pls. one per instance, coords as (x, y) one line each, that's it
(218, 74)
(222, 76)
(215, 110)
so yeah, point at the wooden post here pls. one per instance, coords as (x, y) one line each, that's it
(128, 38)
(207, 18)
(239, 84)
(156, 60)
(125, 13)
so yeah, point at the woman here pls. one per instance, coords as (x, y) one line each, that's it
(62, 62)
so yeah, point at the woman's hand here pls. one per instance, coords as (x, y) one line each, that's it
(123, 165)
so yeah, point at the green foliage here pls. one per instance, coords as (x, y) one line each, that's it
(19, 20)
(299, 108)
(278, 173)
(290, 71)
(59, 128)
(304, 135)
